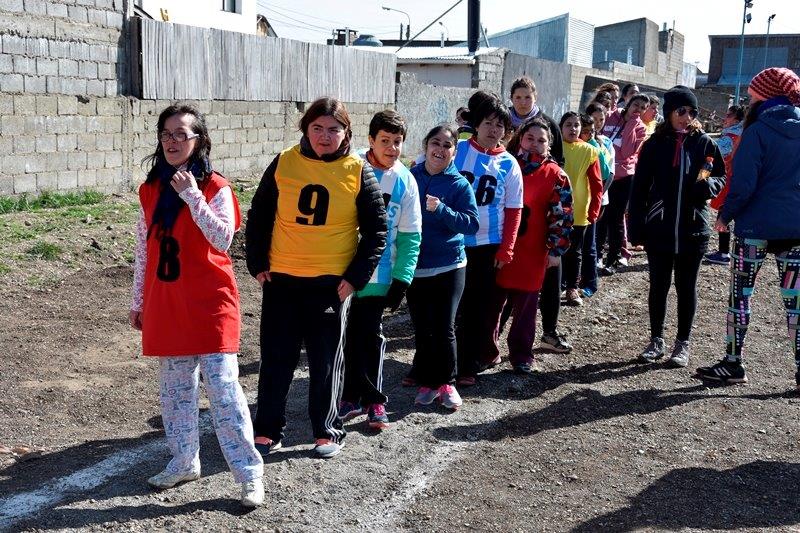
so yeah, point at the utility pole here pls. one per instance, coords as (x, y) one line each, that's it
(473, 24)
(745, 19)
(766, 47)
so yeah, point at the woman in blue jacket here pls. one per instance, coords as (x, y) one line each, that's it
(449, 211)
(763, 200)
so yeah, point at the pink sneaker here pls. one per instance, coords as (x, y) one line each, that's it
(449, 397)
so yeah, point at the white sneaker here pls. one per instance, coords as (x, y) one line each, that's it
(167, 479)
(253, 493)
(449, 397)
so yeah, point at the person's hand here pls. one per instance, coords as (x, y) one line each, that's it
(183, 180)
(263, 277)
(720, 226)
(553, 260)
(344, 290)
(395, 295)
(431, 202)
(498, 263)
(135, 319)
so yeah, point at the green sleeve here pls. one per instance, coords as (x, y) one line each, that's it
(407, 253)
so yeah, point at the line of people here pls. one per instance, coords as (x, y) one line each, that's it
(495, 220)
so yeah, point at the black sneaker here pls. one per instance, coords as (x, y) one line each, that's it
(653, 352)
(726, 372)
(680, 355)
(524, 369)
(554, 342)
(606, 271)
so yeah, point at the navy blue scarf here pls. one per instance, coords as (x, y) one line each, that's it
(169, 203)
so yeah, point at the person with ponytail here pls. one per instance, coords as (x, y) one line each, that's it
(186, 302)
(763, 202)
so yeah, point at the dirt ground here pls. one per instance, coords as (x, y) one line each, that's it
(594, 442)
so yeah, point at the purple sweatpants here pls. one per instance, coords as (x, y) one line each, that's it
(522, 333)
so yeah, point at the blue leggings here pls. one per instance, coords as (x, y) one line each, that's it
(748, 256)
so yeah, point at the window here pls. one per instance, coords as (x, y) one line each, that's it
(229, 6)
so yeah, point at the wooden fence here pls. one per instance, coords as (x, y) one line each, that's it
(184, 62)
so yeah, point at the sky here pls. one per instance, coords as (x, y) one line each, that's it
(314, 20)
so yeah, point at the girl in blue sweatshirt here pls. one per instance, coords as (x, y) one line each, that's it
(449, 212)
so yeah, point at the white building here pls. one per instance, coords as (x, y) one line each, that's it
(231, 15)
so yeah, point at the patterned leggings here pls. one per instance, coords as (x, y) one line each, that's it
(748, 256)
(180, 389)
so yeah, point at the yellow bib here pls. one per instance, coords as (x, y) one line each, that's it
(578, 157)
(316, 224)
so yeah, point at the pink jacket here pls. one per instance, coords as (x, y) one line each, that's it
(627, 137)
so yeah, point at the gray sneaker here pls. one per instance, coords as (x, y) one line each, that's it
(653, 352)
(680, 355)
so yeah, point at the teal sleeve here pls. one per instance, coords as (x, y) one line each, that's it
(407, 253)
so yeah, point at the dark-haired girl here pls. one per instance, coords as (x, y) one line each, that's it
(627, 133)
(497, 183)
(679, 170)
(186, 303)
(315, 233)
(582, 164)
(448, 213)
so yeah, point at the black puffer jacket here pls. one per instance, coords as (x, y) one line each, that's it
(668, 209)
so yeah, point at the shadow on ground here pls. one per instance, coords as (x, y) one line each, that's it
(761, 495)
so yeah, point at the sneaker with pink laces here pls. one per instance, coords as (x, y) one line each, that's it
(449, 397)
(377, 416)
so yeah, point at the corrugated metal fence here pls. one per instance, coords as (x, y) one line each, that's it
(185, 62)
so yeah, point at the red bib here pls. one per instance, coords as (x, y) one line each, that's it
(191, 302)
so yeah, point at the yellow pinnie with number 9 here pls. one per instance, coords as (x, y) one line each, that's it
(304, 249)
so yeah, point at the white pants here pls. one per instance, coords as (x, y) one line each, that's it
(180, 389)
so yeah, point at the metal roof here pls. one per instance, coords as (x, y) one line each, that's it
(449, 55)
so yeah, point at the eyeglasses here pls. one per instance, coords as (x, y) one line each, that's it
(683, 110)
(178, 136)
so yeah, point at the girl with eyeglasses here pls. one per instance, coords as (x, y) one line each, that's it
(186, 303)
(679, 170)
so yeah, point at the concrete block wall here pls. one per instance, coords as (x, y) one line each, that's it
(62, 69)
(487, 72)
(245, 136)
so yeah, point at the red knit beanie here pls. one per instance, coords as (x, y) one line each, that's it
(773, 82)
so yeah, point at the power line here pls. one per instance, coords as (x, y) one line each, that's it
(341, 24)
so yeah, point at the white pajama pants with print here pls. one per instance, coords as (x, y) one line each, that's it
(180, 389)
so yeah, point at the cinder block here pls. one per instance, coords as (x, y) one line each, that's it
(78, 14)
(12, 5)
(24, 183)
(113, 159)
(76, 160)
(24, 105)
(87, 108)
(59, 49)
(112, 88)
(24, 65)
(35, 84)
(36, 47)
(108, 106)
(36, 163)
(11, 83)
(67, 142)
(98, 52)
(80, 51)
(67, 105)
(114, 19)
(86, 142)
(104, 143)
(6, 63)
(87, 69)
(67, 67)
(95, 160)
(97, 17)
(6, 104)
(56, 10)
(47, 181)
(36, 125)
(106, 71)
(87, 178)
(35, 7)
(24, 144)
(46, 66)
(67, 179)
(47, 105)
(6, 184)
(73, 86)
(112, 124)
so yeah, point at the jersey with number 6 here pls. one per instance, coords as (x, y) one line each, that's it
(497, 182)
(316, 223)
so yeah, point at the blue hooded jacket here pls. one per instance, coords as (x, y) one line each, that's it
(443, 230)
(764, 196)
